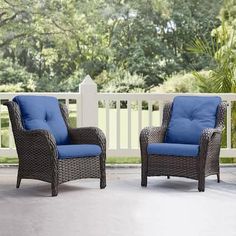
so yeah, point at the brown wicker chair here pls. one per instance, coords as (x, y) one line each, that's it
(38, 155)
(205, 164)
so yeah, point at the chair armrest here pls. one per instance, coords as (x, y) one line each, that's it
(210, 142)
(38, 155)
(36, 143)
(209, 132)
(151, 135)
(88, 135)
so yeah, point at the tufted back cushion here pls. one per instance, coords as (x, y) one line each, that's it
(42, 112)
(190, 115)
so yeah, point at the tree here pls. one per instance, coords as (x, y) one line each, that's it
(15, 78)
(57, 39)
(221, 52)
(150, 38)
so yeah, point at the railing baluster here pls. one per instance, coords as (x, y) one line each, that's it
(129, 123)
(161, 106)
(118, 124)
(78, 111)
(67, 104)
(10, 136)
(0, 123)
(150, 113)
(139, 116)
(107, 107)
(229, 125)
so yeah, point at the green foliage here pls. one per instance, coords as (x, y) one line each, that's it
(180, 83)
(221, 51)
(72, 83)
(122, 82)
(59, 40)
(15, 78)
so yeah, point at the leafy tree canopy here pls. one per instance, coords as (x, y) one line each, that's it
(57, 40)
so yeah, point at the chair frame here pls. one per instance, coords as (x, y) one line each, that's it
(205, 164)
(38, 155)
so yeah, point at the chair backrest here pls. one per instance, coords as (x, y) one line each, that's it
(43, 112)
(189, 116)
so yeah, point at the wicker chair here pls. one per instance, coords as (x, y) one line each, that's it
(160, 158)
(39, 154)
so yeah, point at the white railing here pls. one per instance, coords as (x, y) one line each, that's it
(120, 115)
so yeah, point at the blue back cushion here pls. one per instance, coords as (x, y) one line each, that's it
(190, 115)
(42, 112)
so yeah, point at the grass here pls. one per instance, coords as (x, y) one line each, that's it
(8, 160)
(123, 160)
(228, 160)
(110, 160)
(113, 160)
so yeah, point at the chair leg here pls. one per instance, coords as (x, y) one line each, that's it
(54, 188)
(144, 174)
(144, 180)
(201, 184)
(103, 182)
(103, 176)
(218, 178)
(103, 172)
(18, 181)
(168, 176)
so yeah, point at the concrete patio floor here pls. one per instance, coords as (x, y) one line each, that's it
(164, 208)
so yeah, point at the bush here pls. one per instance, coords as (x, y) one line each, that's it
(72, 83)
(121, 81)
(14, 78)
(180, 83)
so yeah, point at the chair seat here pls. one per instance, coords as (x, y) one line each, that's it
(173, 149)
(78, 151)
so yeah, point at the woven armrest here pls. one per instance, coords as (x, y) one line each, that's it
(209, 137)
(88, 135)
(36, 144)
(151, 135)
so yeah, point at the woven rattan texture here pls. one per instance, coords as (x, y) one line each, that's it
(171, 166)
(70, 169)
(207, 163)
(38, 156)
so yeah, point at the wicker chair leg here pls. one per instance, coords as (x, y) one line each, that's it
(168, 176)
(103, 182)
(144, 174)
(18, 182)
(144, 180)
(201, 184)
(54, 188)
(103, 176)
(103, 172)
(218, 178)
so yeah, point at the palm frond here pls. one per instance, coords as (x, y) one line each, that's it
(221, 49)
(200, 46)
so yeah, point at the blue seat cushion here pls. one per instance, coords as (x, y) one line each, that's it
(78, 150)
(173, 149)
(43, 112)
(189, 116)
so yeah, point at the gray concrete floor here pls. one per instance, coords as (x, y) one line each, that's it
(164, 208)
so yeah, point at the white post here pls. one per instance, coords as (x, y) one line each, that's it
(89, 102)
